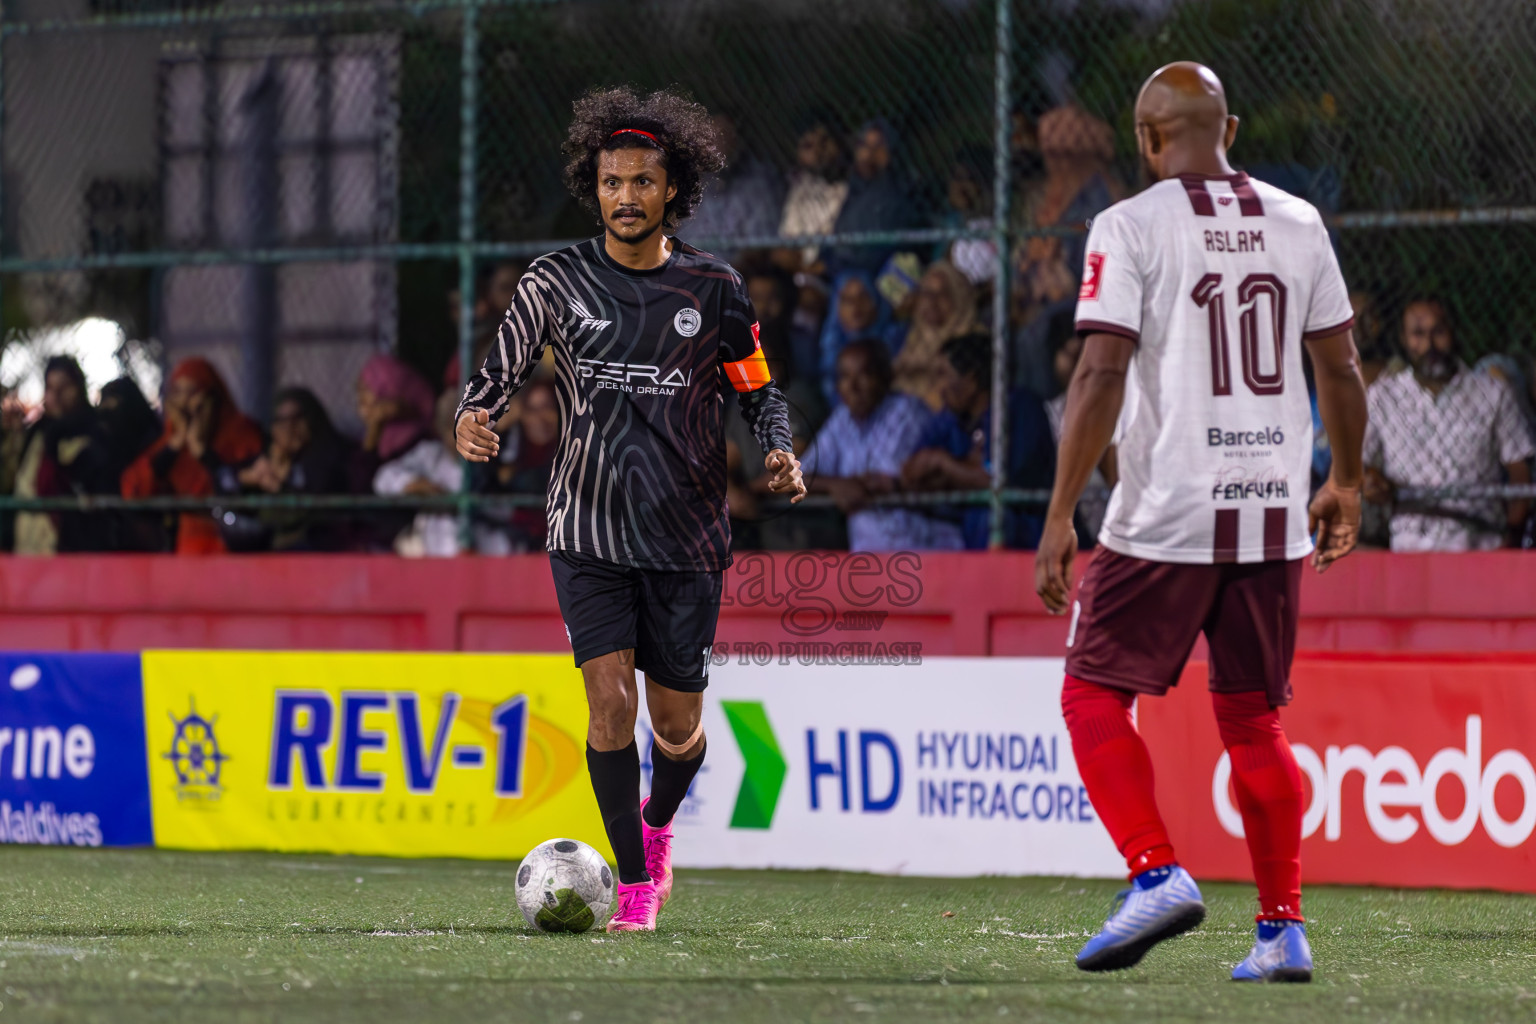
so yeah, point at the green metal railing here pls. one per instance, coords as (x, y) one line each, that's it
(469, 248)
(1467, 201)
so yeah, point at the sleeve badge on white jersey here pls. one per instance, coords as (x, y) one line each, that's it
(1093, 273)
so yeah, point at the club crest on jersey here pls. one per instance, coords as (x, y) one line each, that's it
(585, 320)
(687, 321)
(1093, 274)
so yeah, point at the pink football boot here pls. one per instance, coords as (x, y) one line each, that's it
(658, 856)
(637, 908)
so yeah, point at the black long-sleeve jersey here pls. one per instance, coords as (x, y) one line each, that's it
(642, 358)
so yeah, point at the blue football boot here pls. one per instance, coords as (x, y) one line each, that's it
(1160, 904)
(1280, 954)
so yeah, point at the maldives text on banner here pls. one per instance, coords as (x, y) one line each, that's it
(72, 751)
(1418, 772)
(955, 766)
(404, 754)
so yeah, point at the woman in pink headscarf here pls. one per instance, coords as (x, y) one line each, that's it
(395, 404)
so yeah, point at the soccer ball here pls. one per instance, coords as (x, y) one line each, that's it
(564, 886)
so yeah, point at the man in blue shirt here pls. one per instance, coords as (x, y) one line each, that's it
(861, 450)
(955, 453)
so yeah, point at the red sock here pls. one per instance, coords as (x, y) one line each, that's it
(1116, 771)
(1269, 796)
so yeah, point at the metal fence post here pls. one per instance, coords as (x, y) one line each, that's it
(1002, 167)
(469, 106)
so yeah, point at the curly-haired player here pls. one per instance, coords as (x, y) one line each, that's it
(647, 332)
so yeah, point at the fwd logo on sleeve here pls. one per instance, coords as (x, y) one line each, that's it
(585, 320)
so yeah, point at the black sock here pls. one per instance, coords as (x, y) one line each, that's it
(616, 783)
(669, 784)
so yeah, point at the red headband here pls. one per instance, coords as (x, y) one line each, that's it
(637, 131)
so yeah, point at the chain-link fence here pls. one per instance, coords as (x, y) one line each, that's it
(290, 189)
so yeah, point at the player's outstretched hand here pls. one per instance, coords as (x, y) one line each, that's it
(785, 477)
(476, 441)
(1334, 519)
(1053, 564)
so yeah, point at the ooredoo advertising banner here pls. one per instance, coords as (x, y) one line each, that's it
(426, 755)
(72, 769)
(951, 766)
(1418, 772)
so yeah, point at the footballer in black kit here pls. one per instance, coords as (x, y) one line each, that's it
(647, 333)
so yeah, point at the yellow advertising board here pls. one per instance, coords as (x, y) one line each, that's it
(423, 755)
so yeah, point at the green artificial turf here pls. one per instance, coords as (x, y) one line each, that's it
(224, 938)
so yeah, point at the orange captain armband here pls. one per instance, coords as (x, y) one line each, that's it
(750, 373)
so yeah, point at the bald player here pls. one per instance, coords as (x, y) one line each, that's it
(1197, 297)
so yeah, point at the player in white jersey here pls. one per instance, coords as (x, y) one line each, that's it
(1197, 298)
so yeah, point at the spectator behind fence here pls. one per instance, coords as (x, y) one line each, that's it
(880, 198)
(792, 365)
(64, 453)
(305, 455)
(745, 200)
(818, 187)
(495, 285)
(812, 299)
(1371, 341)
(428, 466)
(795, 373)
(955, 452)
(945, 308)
(131, 426)
(128, 420)
(206, 442)
(397, 407)
(1066, 350)
(857, 311)
(861, 449)
(527, 458)
(1437, 422)
(968, 204)
(1077, 149)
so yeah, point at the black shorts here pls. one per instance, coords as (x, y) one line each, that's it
(1135, 623)
(667, 618)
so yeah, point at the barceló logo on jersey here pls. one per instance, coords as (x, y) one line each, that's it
(1093, 275)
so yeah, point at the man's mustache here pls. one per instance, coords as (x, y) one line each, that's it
(627, 211)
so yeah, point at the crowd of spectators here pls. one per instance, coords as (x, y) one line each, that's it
(883, 350)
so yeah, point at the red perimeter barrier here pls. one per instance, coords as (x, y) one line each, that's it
(948, 603)
(1418, 772)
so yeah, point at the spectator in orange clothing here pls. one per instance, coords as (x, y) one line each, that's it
(207, 440)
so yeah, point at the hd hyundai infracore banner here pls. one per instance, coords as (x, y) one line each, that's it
(1419, 772)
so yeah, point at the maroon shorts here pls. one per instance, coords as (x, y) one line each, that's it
(1136, 621)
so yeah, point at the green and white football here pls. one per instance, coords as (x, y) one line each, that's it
(564, 886)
